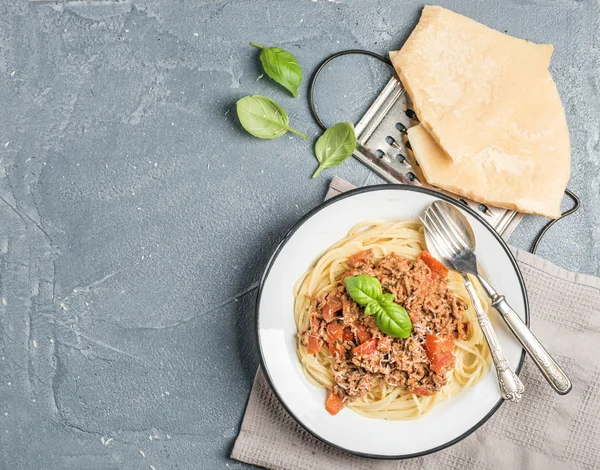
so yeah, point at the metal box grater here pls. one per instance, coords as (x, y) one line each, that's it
(382, 146)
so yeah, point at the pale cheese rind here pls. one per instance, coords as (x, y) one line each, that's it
(467, 81)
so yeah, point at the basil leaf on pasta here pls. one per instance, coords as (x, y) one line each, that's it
(392, 318)
(364, 290)
(372, 308)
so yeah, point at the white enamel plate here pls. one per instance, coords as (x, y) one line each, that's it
(448, 422)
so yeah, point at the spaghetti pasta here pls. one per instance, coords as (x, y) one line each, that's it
(385, 401)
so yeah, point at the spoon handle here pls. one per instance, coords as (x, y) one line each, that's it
(547, 365)
(511, 387)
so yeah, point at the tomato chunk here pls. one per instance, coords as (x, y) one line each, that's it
(335, 335)
(334, 404)
(421, 391)
(436, 344)
(437, 268)
(362, 333)
(312, 346)
(332, 306)
(369, 347)
(361, 257)
(441, 362)
(335, 332)
(439, 351)
(336, 350)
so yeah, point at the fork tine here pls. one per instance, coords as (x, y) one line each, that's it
(433, 237)
(448, 223)
(439, 233)
(445, 231)
(435, 240)
(438, 237)
(451, 224)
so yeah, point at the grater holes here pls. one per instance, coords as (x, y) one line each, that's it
(390, 140)
(380, 153)
(485, 209)
(401, 127)
(411, 176)
(410, 113)
(401, 158)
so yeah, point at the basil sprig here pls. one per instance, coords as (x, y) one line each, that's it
(281, 66)
(390, 317)
(264, 118)
(335, 145)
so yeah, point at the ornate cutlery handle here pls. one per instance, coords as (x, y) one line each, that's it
(511, 386)
(547, 365)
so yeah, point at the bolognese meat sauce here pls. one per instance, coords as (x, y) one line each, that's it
(362, 353)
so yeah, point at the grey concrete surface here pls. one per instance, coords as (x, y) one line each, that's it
(136, 215)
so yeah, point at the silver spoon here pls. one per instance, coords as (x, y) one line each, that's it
(511, 387)
(462, 242)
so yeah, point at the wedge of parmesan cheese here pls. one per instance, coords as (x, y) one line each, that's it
(525, 169)
(467, 81)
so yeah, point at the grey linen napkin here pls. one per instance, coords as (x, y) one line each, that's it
(544, 431)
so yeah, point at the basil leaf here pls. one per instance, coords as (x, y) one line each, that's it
(372, 308)
(335, 146)
(281, 66)
(263, 118)
(363, 289)
(392, 319)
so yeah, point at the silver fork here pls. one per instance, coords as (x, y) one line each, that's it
(511, 387)
(462, 240)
